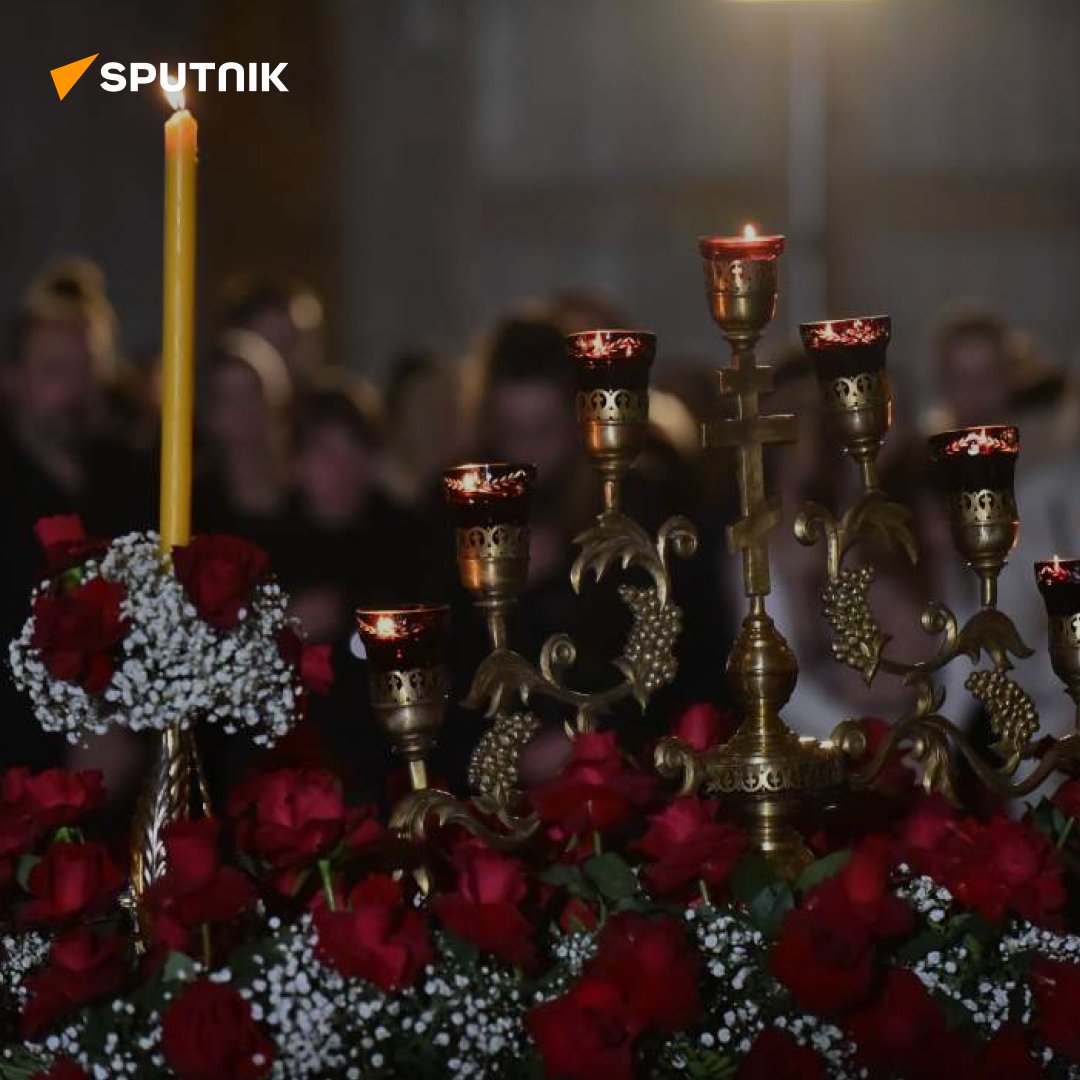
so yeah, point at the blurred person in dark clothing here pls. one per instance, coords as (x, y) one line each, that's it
(242, 478)
(287, 314)
(57, 456)
(348, 542)
(423, 430)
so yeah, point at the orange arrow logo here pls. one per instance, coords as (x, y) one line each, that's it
(65, 77)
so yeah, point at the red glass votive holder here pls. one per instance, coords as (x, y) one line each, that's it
(847, 348)
(976, 459)
(403, 638)
(612, 359)
(1059, 582)
(489, 493)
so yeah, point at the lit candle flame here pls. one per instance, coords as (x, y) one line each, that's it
(1057, 564)
(749, 232)
(470, 481)
(175, 98)
(385, 626)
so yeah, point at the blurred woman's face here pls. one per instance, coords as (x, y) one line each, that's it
(335, 474)
(236, 414)
(975, 384)
(532, 422)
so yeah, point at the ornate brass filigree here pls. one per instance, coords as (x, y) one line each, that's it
(648, 660)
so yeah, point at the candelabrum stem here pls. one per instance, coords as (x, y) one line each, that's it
(495, 610)
(868, 474)
(988, 590)
(612, 492)
(418, 776)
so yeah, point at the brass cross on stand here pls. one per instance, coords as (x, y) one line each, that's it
(749, 432)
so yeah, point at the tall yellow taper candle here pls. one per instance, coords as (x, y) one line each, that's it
(178, 326)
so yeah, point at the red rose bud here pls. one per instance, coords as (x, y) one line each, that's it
(77, 632)
(51, 798)
(585, 1034)
(290, 816)
(657, 969)
(220, 575)
(83, 965)
(486, 906)
(776, 1054)
(379, 937)
(65, 542)
(208, 1033)
(71, 881)
(687, 845)
(703, 725)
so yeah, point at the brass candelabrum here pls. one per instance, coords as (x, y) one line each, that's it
(491, 502)
(767, 772)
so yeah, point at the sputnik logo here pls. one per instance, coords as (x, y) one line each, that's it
(251, 77)
(67, 75)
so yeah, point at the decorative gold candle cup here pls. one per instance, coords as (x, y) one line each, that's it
(975, 468)
(740, 280)
(849, 358)
(613, 399)
(408, 681)
(491, 502)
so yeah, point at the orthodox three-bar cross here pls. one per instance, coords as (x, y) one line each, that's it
(748, 432)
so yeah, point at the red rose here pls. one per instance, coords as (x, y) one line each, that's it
(54, 797)
(775, 1055)
(654, 965)
(312, 662)
(1007, 1054)
(703, 725)
(66, 543)
(379, 938)
(826, 962)
(577, 916)
(596, 789)
(195, 890)
(208, 1033)
(485, 908)
(83, 965)
(69, 882)
(889, 1031)
(18, 832)
(990, 867)
(63, 1069)
(77, 631)
(860, 892)
(220, 574)
(1067, 798)
(1056, 987)
(290, 816)
(687, 845)
(585, 1034)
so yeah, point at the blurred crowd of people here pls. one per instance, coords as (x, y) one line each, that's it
(339, 481)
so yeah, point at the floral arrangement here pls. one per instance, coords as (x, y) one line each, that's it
(119, 637)
(640, 937)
